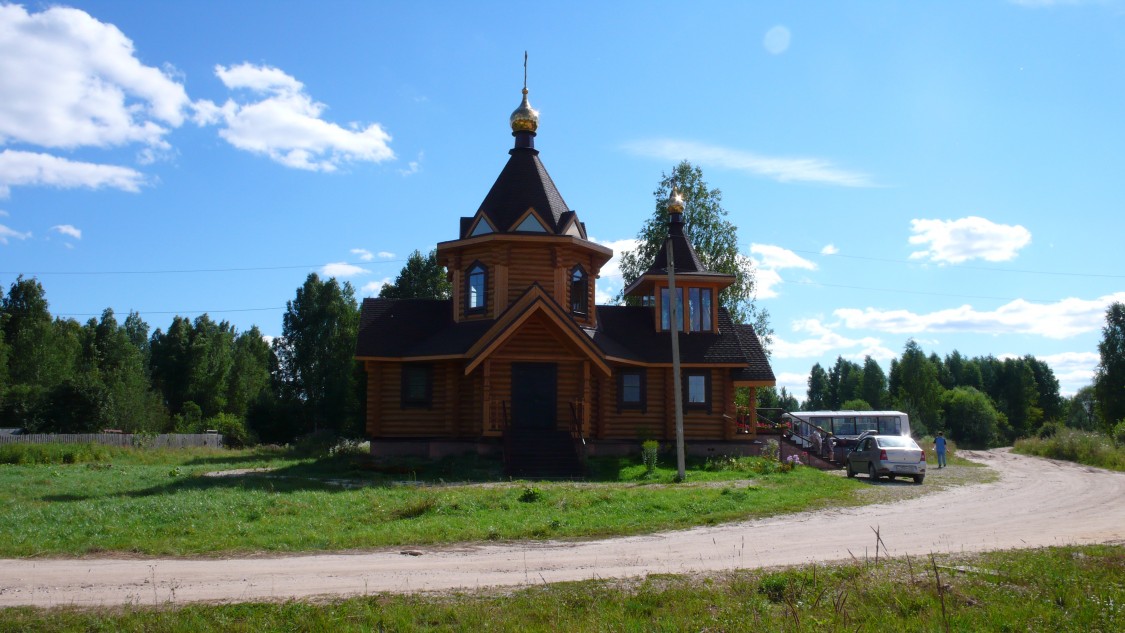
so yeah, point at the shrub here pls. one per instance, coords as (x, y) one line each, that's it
(1049, 429)
(1119, 434)
(530, 494)
(650, 452)
(1092, 449)
(771, 449)
(52, 453)
(232, 428)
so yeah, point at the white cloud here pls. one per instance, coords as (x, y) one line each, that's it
(68, 229)
(776, 257)
(816, 170)
(765, 280)
(29, 168)
(796, 384)
(372, 288)
(342, 269)
(610, 282)
(822, 341)
(285, 123)
(7, 234)
(413, 166)
(386, 255)
(1059, 320)
(771, 259)
(829, 249)
(70, 81)
(957, 241)
(1073, 370)
(364, 254)
(776, 40)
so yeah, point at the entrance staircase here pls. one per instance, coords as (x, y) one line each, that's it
(539, 453)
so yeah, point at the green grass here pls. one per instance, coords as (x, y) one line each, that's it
(160, 503)
(1056, 589)
(1092, 449)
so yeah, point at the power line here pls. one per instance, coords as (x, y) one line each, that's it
(919, 292)
(177, 312)
(963, 266)
(193, 270)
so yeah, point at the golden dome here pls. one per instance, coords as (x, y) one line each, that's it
(675, 202)
(525, 119)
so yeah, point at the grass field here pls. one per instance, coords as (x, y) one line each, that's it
(1056, 589)
(99, 500)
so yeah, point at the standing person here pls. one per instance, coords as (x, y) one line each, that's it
(939, 448)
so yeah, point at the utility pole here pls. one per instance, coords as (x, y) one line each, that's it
(675, 207)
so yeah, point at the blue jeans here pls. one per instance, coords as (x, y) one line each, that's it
(941, 459)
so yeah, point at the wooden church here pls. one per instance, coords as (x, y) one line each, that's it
(522, 364)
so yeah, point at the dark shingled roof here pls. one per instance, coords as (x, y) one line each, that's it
(628, 332)
(398, 328)
(686, 259)
(523, 183)
(414, 327)
(758, 364)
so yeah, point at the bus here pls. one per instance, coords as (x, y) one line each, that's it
(845, 425)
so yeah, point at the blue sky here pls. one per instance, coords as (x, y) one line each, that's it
(949, 172)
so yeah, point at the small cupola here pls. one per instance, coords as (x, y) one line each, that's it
(525, 119)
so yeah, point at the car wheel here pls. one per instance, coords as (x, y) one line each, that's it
(851, 471)
(919, 478)
(871, 474)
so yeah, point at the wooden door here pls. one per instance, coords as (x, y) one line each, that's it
(534, 392)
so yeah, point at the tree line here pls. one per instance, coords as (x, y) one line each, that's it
(61, 376)
(981, 401)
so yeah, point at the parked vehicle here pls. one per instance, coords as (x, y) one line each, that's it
(887, 455)
(845, 426)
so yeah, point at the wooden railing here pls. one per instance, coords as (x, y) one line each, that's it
(499, 418)
(577, 413)
(812, 438)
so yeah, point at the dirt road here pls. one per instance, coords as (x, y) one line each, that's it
(1035, 503)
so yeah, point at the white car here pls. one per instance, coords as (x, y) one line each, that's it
(889, 455)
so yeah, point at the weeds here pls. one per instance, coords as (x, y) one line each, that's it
(1054, 589)
(1092, 449)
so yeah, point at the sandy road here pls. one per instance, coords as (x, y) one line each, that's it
(1035, 503)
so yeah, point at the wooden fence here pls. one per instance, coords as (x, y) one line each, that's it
(164, 440)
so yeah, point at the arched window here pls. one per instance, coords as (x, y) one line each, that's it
(476, 286)
(579, 291)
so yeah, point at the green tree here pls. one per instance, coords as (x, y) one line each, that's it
(1017, 395)
(114, 366)
(970, 418)
(712, 235)
(315, 355)
(249, 378)
(873, 387)
(915, 388)
(212, 359)
(35, 354)
(819, 396)
(843, 382)
(1047, 389)
(421, 278)
(1109, 381)
(1081, 412)
(170, 363)
(856, 404)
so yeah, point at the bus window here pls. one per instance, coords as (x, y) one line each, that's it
(889, 426)
(865, 423)
(843, 426)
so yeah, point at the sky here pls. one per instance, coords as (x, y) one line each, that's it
(947, 172)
